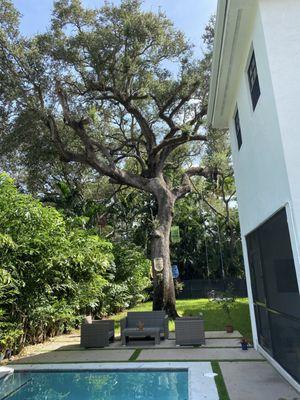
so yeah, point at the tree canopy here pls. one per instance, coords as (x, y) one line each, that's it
(110, 85)
(117, 95)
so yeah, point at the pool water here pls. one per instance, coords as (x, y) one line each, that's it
(96, 385)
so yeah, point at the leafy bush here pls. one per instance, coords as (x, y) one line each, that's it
(52, 270)
(130, 277)
(46, 263)
(133, 269)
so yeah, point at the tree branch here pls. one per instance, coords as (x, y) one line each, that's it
(177, 141)
(119, 176)
(186, 186)
(65, 154)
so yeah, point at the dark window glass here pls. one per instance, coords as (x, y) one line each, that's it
(238, 131)
(253, 81)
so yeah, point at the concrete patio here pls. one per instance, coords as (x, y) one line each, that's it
(247, 375)
(66, 348)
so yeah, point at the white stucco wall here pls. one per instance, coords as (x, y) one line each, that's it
(260, 170)
(266, 165)
(281, 25)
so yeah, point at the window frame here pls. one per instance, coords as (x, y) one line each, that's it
(253, 79)
(237, 127)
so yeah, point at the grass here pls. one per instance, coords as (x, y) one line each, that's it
(214, 316)
(219, 380)
(135, 355)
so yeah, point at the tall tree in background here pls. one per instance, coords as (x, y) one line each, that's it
(116, 89)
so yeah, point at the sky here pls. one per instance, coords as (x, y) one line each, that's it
(190, 16)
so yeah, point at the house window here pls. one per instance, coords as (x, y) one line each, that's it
(238, 129)
(253, 81)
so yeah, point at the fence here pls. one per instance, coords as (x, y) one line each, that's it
(199, 288)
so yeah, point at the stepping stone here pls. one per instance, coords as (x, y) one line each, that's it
(77, 356)
(204, 353)
(215, 335)
(222, 334)
(222, 342)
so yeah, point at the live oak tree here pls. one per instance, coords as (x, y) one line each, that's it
(116, 89)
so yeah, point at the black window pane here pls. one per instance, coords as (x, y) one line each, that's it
(238, 129)
(255, 93)
(253, 81)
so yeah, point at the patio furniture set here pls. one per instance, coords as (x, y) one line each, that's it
(146, 324)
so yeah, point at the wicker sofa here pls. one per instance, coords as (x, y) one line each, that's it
(97, 333)
(150, 319)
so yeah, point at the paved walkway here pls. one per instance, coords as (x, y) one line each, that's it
(66, 348)
(255, 381)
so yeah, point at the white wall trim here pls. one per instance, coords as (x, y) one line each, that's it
(294, 240)
(231, 58)
(250, 294)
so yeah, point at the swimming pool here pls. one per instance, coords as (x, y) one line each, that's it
(96, 385)
(200, 381)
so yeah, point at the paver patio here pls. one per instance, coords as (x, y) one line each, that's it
(66, 348)
(77, 356)
(199, 354)
(247, 375)
(255, 381)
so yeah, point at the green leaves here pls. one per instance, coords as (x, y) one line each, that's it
(42, 259)
(52, 269)
(9, 18)
(103, 59)
(131, 278)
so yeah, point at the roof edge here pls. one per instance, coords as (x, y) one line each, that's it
(217, 55)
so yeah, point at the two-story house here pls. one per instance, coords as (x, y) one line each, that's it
(255, 92)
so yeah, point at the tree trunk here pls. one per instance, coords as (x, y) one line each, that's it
(163, 285)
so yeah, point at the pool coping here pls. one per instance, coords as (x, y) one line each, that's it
(200, 374)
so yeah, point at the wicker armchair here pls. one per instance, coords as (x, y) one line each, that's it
(97, 333)
(189, 331)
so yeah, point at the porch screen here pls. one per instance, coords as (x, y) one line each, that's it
(275, 291)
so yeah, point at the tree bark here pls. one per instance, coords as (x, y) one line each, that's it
(163, 285)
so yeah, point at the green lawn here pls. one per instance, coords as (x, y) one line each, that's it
(214, 317)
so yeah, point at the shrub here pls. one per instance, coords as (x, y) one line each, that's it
(130, 277)
(45, 265)
(52, 271)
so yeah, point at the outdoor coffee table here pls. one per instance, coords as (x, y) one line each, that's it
(135, 332)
